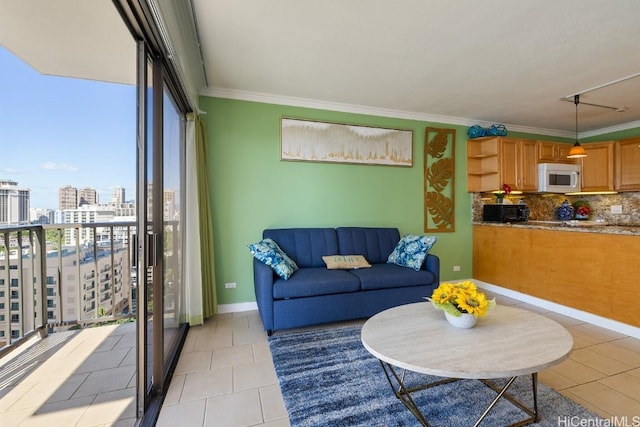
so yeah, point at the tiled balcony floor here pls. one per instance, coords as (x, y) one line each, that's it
(225, 376)
(76, 378)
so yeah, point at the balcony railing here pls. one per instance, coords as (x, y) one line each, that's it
(37, 261)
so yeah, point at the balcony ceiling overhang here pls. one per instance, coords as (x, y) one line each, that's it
(70, 38)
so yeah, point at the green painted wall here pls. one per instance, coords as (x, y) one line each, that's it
(252, 189)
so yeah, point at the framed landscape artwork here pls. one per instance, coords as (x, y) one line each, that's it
(314, 141)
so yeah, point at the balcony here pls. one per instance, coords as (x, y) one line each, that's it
(54, 366)
(46, 277)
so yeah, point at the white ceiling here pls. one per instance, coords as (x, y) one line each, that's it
(459, 62)
(490, 61)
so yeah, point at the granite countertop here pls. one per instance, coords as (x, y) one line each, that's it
(571, 226)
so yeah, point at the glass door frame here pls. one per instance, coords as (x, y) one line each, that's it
(152, 378)
(151, 48)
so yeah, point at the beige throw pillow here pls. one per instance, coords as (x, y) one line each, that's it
(345, 262)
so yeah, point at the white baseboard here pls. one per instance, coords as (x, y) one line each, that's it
(584, 316)
(236, 308)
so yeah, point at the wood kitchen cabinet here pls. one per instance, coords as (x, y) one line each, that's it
(554, 152)
(597, 167)
(518, 164)
(494, 161)
(627, 164)
(483, 168)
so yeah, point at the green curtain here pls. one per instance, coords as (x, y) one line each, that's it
(209, 299)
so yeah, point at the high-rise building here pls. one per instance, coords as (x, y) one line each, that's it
(41, 216)
(67, 197)
(87, 196)
(117, 196)
(169, 204)
(14, 203)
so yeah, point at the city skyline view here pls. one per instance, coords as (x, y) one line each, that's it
(58, 131)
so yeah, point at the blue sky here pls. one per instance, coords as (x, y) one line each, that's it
(57, 131)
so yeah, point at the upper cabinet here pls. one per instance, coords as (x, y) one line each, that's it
(553, 152)
(494, 161)
(483, 169)
(518, 164)
(597, 167)
(627, 164)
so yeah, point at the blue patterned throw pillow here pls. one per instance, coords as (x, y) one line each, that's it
(268, 252)
(411, 251)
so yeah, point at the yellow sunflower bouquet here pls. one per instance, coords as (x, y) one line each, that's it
(461, 297)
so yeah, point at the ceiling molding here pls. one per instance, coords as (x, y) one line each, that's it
(361, 109)
(610, 129)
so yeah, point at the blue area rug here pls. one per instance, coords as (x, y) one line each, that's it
(328, 378)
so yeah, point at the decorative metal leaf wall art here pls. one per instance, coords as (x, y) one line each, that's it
(439, 179)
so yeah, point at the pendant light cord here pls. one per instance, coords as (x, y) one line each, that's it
(576, 100)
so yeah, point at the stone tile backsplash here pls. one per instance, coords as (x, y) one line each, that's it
(543, 206)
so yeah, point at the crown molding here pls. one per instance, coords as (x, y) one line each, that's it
(610, 129)
(372, 111)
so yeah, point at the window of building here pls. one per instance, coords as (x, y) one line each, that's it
(50, 292)
(50, 280)
(15, 318)
(15, 306)
(14, 283)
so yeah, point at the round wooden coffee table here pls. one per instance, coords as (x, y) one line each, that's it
(507, 343)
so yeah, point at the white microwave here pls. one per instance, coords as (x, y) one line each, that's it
(558, 178)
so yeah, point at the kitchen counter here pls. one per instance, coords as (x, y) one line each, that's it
(571, 226)
(588, 268)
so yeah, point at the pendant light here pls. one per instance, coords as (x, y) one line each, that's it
(577, 151)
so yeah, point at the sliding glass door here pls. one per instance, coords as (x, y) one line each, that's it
(161, 142)
(172, 178)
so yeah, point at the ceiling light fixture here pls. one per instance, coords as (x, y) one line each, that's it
(616, 108)
(577, 151)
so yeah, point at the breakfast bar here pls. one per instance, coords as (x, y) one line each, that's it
(588, 268)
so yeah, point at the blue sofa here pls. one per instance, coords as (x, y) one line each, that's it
(315, 295)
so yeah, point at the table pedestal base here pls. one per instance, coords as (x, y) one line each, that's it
(396, 381)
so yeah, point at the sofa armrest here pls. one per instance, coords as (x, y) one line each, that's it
(432, 264)
(263, 279)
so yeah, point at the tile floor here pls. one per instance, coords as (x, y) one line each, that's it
(82, 378)
(225, 376)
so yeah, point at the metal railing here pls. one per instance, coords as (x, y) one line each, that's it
(55, 277)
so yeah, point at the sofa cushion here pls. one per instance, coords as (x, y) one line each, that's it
(345, 262)
(269, 253)
(411, 251)
(309, 282)
(382, 276)
(305, 246)
(374, 243)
